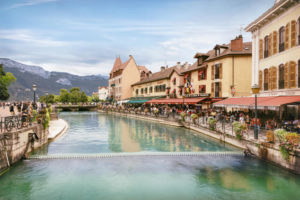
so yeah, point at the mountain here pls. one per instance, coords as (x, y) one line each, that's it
(52, 82)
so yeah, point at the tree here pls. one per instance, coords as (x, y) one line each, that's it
(50, 98)
(64, 96)
(5, 80)
(95, 98)
(83, 97)
(75, 95)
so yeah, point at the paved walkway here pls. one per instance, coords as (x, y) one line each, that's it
(57, 127)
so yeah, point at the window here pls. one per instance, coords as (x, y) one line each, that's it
(293, 33)
(202, 89)
(146, 90)
(281, 38)
(266, 79)
(163, 88)
(119, 81)
(266, 52)
(298, 31)
(150, 89)
(174, 81)
(218, 89)
(137, 91)
(217, 52)
(299, 71)
(281, 77)
(202, 74)
(142, 91)
(218, 71)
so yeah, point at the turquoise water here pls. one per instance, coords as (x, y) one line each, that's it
(144, 178)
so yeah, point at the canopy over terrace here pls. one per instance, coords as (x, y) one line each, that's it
(176, 101)
(270, 103)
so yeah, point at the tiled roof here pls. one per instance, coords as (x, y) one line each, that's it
(117, 63)
(100, 87)
(247, 50)
(160, 75)
(143, 68)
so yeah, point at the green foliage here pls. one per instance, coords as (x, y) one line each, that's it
(95, 98)
(288, 142)
(46, 119)
(280, 134)
(64, 96)
(194, 116)
(5, 80)
(212, 123)
(34, 115)
(83, 97)
(238, 129)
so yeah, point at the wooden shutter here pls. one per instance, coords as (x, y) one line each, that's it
(273, 78)
(274, 42)
(266, 79)
(212, 89)
(270, 79)
(292, 74)
(221, 71)
(220, 89)
(293, 33)
(286, 75)
(261, 53)
(287, 36)
(212, 72)
(270, 44)
(260, 79)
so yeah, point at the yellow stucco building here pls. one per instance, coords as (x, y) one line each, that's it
(276, 49)
(122, 76)
(224, 71)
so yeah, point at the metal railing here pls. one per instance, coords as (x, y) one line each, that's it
(11, 123)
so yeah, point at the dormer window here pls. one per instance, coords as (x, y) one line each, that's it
(217, 51)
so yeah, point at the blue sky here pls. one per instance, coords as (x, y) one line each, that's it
(84, 36)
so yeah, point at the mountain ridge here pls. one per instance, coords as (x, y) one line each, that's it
(52, 82)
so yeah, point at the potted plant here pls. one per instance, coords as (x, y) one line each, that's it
(182, 114)
(288, 142)
(212, 123)
(238, 129)
(194, 117)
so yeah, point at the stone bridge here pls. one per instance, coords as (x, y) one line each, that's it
(75, 107)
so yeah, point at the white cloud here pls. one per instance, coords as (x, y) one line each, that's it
(31, 3)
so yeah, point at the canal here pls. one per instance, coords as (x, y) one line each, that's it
(205, 177)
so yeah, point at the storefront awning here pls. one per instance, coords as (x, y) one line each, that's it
(138, 101)
(270, 103)
(176, 101)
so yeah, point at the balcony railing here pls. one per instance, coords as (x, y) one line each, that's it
(266, 86)
(266, 54)
(281, 84)
(281, 47)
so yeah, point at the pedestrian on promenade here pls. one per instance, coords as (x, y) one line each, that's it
(258, 124)
(12, 109)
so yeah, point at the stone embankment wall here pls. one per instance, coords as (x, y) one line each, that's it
(14, 145)
(265, 151)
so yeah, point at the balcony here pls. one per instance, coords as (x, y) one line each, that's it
(266, 54)
(266, 86)
(281, 47)
(281, 84)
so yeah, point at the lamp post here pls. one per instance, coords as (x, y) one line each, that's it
(46, 93)
(255, 90)
(34, 89)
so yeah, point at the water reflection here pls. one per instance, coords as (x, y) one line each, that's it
(130, 135)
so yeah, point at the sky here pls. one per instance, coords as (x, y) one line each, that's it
(84, 37)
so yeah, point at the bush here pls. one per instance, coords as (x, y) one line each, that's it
(182, 114)
(280, 134)
(288, 143)
(46, 119)
(238, 129)
(212, 123)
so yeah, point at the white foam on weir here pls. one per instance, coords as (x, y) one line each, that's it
(137, 154)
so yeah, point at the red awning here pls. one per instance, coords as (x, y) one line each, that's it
(176, 101)
(272, 103)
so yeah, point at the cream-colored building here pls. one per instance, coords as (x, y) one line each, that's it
(102, 93)
(224, 71)
(122, 76)
(168, 82)
(276, 49)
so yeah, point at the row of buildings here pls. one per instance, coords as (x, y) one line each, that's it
(271, 61)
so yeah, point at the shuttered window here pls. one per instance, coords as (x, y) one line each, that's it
(281, 38)
(261, 49)
(270, 44)
(212, 89)
(287, 36)
(260, 79)
(292, 74)
(286, 75)
(281, 77)
(274, 42)
(266, 47)
(221, 70)
(212, 72)
(273, 78)
(266, 79)
(220, 89)
(293, 33)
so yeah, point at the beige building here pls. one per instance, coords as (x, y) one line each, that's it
(224, 71)
(122, 76)
(168, 82)
(276, 49)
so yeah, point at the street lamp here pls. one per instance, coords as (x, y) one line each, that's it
(255, 90)
(34, 89)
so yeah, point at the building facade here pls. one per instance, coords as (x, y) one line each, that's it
(276, 49)
(122, 76)
(103, 93)
(168, 82)
(224, 71)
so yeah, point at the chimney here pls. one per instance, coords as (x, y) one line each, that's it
(162, 68)
(237, 44)
(178, 65)
(186, 65)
